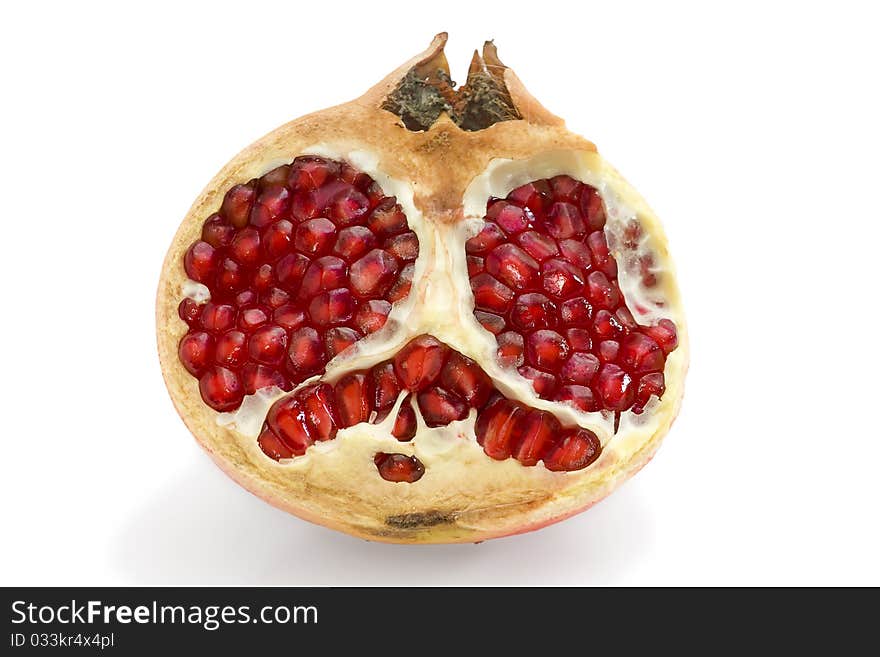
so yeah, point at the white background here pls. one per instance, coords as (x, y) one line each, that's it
(752, 129)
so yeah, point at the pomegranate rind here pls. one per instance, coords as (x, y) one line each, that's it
(464, 496)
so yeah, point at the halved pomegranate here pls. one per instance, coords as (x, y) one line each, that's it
(427, 315)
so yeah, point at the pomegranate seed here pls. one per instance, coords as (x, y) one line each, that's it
(606, 325)
(256, 377)
(533, 311)
(333, 307)
(230, 277)
(664, 334)
(639, 353)
(236, 207)
(352, 399)
(371, 315)
(544, 383)
(404, 246)
(277, 176)
(579, 339)
(251, 318)
(475, 265)
(403, 284)
(592, 208)
(580, 368)
(303, 206)
(272, 203)
(565, 187)
(217, 317)
(418, 364)
(272, 445)
(325, 273)
(217, 232)
(287, 420)
(600, 290)
(189, 311)
(221, 389)
(561, 279)
(385, 386)
(607, 350)
(615, 387)
(315, 236)
(490, 294)
(539, 246)
(512, 266)
(349, 205)
(245, 298)
(536, 431)
(306, 353)
(373, 274)
(576, 451)
(245, 247)
(290, 270)
(278, 239)
(275, 297)
(650, 384)
(337, 340)
(487, 239)
(598, 247)
(319, 409)
(263, 278)
(387, 219)
(289, 317)
(496, 428)
(577, 253)
(405, 424)
(268, 345)
(309, 172)
(194, 351)
(564, 221)
(535, 196)
(624, 316)
(466, 380)
(439, 407)
(353, 242)
(492, 323)
(200, 263)
(510, 218)
(230, 350)
(578, 396)
(547, 349)
(510, 349)
(399, 468)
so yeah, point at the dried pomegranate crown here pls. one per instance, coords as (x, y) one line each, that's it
(427, 315)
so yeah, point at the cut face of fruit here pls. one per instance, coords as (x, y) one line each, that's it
(417, 318)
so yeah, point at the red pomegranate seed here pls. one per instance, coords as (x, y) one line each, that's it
(607, 350)
(290, 271)
(306, 352)
(418, 364)
(325, 273)
(592, 208)
(564, 221)
(278, 239)
(275, 297)
(544, 383)
(565, 187)
(200, 263)
(598, 248)
(405, 424)
(272, 445)
(385, 386)
(353, 242)
(607, 326)
(664, 334)
(533, 311)
(539, 246)
(475, 265)
(189, 311)
(387, 219)
(404, 246)
(561, 279)
(546, 349)
(287, 420)
(512, 266)
(245, 298)
(399, 468)
(371, 315)
(400, 289)
(466, 380)
(263, 278)
(576, 451)
(195, 351)
(652, 384)
(289, 316)
(245, 247)
(221, 389)
(352, 399)
(268, 345)
(535, 195)
(490, 294)
(277, 176)
(230, 276)
(372, 275)
(319, 409)
(231, 349)
(349, 205)
(303, 206)
(217, 317)
(581, 397)
(639, 353)
(496, 428)
(256, 377)
(439, 407)
(338, 339)
(217, 232)
(510, 218)
(510, 349)
(309, 172)
(615, 387)
(315, 236)
(491, 322)
(624, 316)
(536, 432)
(252, 317)
(487, 239)
(272, 204)
(577, 253)
(580, 368)
(333, 307)
(601, 292)
(237, 203)
(579, 339)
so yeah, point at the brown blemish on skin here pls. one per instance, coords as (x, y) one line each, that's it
(419, 520)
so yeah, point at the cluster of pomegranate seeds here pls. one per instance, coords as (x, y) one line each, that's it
(301, 264)
(445, 386)
(545, 284)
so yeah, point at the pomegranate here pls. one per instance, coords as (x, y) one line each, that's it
(427, 315)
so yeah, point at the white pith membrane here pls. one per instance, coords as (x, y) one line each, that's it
(441, 304)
